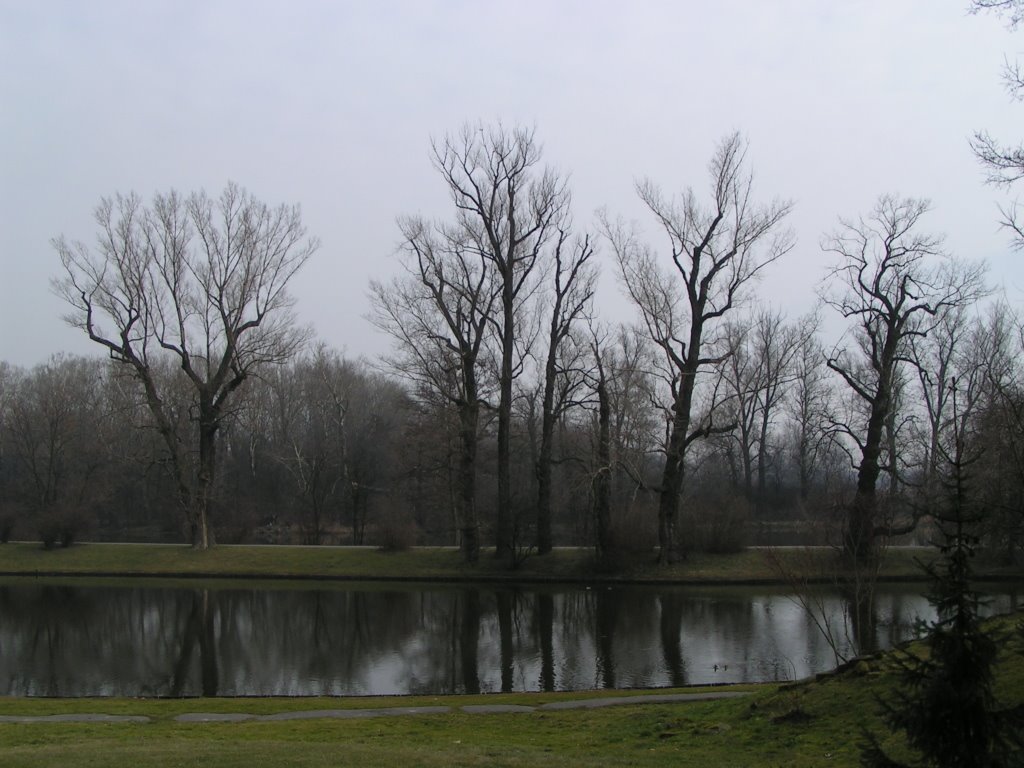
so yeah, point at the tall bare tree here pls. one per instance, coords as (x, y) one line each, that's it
(572, 293)
(439, 314)
(1004, 163)
(508, 210)
(891, 282)
(714, 251)
(200, 280)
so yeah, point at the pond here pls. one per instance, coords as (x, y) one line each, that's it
(151, 638)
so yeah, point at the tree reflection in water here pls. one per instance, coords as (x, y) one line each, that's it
(199, 632)
(470, 637)
(60, 640)
(544, 611)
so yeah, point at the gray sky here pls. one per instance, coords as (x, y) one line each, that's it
(332, 105)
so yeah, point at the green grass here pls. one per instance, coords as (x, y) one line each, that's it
(434, 564)
(807, 724)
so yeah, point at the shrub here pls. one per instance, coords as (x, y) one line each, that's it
(633, 535)
(395, 533)
(11, 514)
(630, 534)
(49, 533)
(6, 529)
(60, 526)
(717, 525)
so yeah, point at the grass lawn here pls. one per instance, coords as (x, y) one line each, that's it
(437, 563)
(807, 724)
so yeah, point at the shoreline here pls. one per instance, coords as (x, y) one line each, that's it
(786, 567)
(604, 581)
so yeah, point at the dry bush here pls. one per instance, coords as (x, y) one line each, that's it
(395, 532)
(715, 525)
(631, 534)
(9, 515)
(61, 526)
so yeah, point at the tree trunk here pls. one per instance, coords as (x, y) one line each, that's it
(202, 532)
(602, 481)
(762, 459)
(746, 458)
(504, 532)
(544, 461)
(859, 537)
(668, 501)
(675, 469)
(469, 526)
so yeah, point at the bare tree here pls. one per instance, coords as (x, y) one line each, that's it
(937, 359)
(810, 408)
(601, 484)
(1004, 163)
(57, 421)
(331, 425)
(572, 294)
(994, 348)
(9, 378)
(305, 430)
(758, 371)
(202, 281)
(439, 315)
(891, 283)
(508, 210)
(715, 250)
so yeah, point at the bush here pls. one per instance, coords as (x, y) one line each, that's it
(49, 533)
(717, 525)
(630, 534)
(60, 526)
(634, 534)
(11, 513)
(395, 533)
(6, 529)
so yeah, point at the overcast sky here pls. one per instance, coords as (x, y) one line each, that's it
(332, 105)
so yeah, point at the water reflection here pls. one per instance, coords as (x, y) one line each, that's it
(146, 640)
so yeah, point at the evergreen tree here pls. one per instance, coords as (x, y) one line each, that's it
(945, 705)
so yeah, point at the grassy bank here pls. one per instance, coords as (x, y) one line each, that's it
(441, 564)
(807, 724)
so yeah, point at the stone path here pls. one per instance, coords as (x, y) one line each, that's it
(348, 714)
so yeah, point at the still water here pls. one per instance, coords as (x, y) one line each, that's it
(248, 639)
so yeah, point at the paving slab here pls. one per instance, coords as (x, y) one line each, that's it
(496, 709)
(659, 698)
(214, 717)
(78, 718)
(351, 714)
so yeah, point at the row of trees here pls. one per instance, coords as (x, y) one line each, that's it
(712, 376)
(508, 410)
